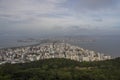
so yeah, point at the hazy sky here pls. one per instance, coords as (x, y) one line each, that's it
(60, 16)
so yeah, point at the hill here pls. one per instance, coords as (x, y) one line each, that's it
(62, 69)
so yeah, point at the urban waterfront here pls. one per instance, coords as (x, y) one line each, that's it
(49, 50)
(109, 45)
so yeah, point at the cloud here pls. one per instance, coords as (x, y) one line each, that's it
(96, 4)
(58, 15)
(28, 10)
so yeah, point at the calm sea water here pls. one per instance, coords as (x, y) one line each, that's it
(108, 44)
(12, 41)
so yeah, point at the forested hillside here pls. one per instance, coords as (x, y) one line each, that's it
(62, 69)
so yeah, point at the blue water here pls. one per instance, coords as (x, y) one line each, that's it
(12, 41)
(108, 44)
(105, 44)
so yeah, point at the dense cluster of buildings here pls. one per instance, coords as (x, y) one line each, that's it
(49, 50)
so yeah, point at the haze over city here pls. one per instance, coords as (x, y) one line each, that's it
(97, 20)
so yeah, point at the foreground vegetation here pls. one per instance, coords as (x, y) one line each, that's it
(62, 69)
